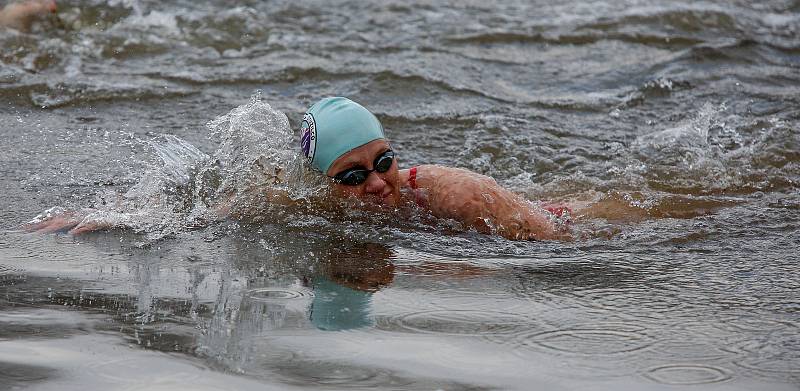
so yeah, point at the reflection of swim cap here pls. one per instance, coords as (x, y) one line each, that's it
(336, 307)
(335, 126)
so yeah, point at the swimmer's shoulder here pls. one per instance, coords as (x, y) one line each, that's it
(434, 175)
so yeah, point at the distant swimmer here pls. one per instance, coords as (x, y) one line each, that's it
(20, 15)
(344, 141)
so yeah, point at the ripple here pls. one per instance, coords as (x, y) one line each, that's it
(349, 377)
(592, 340)
(770, 364)
(776, 353)
(620, 300)
(18, 376)
(339, 376)
(332, 374)
(687, 374)
(755, 324)
(275, 294)
(115, 370)
(457, 322)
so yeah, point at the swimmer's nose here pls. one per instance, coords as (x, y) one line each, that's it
(374, 184)
(52, 7)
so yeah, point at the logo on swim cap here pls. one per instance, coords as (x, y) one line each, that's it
(308, 137)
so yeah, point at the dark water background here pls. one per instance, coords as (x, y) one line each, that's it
(686, 112)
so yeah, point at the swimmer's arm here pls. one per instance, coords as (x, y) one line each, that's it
(72, 222)
(479, 202)
(76, 222)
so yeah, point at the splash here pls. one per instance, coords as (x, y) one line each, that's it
(686, 156)
(258, 156)
(256, 164)
(692, 169)
(707, 155)
(686, 144)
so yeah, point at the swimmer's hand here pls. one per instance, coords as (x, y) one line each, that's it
(20, 16)
(60, 220)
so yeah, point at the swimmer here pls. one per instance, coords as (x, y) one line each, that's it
(20, 16)
(345, 142)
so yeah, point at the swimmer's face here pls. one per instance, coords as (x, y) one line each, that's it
(380, 187)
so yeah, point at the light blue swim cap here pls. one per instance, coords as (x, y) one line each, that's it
(335, 126)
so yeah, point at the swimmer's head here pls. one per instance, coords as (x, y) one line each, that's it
(334, 126)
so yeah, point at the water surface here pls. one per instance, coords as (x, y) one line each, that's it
(685, 114)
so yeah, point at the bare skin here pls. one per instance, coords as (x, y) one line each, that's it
(72, 222)
(475, 200)
(20, 16)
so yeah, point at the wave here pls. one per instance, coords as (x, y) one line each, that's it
(508, 37)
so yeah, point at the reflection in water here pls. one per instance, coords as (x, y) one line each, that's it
(362, 313)
(249, 311)
(342, 293)
(337, 307)
(144, 273)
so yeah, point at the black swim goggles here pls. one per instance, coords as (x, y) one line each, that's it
(358, 175)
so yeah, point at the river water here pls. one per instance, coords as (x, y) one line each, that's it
(682, 115)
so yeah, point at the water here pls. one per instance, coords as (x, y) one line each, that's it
(681, 117)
